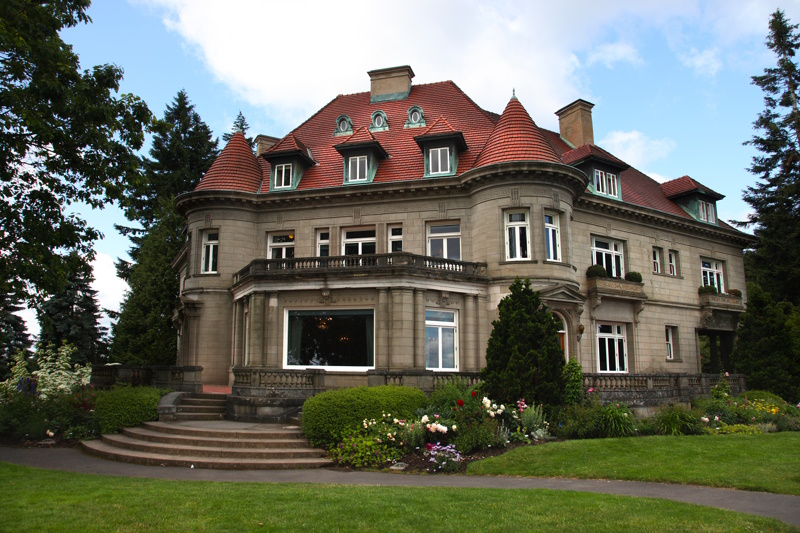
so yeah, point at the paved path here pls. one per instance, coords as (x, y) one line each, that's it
(782, 507)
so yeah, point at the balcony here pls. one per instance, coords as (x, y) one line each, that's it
(398, 263)
(616, 288)
(720, 311)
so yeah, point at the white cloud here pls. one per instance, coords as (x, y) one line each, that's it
(110, 289)
(658, 177)
(611, 53)
(635, 148)
(704, 63)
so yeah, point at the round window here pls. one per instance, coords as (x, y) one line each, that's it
(378, 121)
(343, 125)
(415, 116)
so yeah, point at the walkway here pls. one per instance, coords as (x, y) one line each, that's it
(782, 507)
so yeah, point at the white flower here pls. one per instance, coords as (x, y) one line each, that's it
(625, 415)
(454, 427)
(49, 433)
(424, 419)
(716, 419)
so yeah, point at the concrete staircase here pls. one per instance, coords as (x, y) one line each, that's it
(220, 444)
(201, 406)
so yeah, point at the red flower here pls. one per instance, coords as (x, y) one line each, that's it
(460, 402)
(474, 393)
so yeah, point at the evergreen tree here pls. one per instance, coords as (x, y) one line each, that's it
(767, 346)
(240, 124)
(13, 333)
(775, 199)
(73, 316)
(524, 358)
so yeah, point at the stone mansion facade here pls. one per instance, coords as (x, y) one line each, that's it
(376, 239)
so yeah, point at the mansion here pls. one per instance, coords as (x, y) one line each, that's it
(377, 238)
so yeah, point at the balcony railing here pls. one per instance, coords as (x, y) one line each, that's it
(373, 264)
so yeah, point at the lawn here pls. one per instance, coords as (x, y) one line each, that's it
(769, 463)
(42, 500)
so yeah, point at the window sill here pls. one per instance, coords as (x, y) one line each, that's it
(206, 275)
(674, 360)
(518, 262)
(662, 275)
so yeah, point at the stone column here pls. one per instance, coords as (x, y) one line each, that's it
(274, 339)
(419, 329)
(484, 329)
(257, 332)
(469, 354)
(382, 328)
(402, 341)
(238, 315)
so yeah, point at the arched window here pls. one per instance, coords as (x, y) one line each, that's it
(563, 340)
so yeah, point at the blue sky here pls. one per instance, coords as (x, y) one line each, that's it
(670, 83)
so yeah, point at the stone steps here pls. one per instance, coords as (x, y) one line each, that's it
(201, 406)
(226, 445)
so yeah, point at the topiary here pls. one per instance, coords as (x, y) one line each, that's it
(633, 276)
(327, 416)
(596, 271)
(573, 381)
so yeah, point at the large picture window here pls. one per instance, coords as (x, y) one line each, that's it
(441, 340)
(611, 353)
(342, 339)
(608, 253)
(517, 236)
(444, 241)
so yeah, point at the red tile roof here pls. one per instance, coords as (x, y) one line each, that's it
(516, 138)
(288, 144)
(590, 150)
(235, 169)
(684, 185)
(642, 190)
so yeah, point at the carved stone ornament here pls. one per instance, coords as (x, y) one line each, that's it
(444, 299)
(325, 297)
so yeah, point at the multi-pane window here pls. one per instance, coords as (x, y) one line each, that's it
(281, 246)
(444, 241)
(707, 212)
(672, 261)
(441, 340)
(552, 237)
(323, 243)
(358, 242)
(517, 236)
(608, 253)
(712, 274)
(395, 235)
(657, 260)
(605, 183)
(357, 168)
(283, 176)
(612, 355)
(210, 252)
(439, 160)
(670, 332)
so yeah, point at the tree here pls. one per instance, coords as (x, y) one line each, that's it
(775, 199)
(65, 137)
(524, 358)
(73, 316)
(13, 333)
(240, 124)
(767, 347)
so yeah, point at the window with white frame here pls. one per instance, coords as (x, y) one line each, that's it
(517, 236)
(562, 335)
(281, 245)
(612, 355)
(395, 237)
(439, 160)
(283, 176)
(323, 243)
(712, 274)
(210, 252)
(357, 168)
(444, 241)
(605, 184)
(441, 340)
(707, 212)
(656, 260)
(671, 335)
(672, 262)
(552, 236)
(358, 241)
(608, 252)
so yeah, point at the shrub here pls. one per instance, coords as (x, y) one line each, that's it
(735, 292)
(575, 422)
(596, 271)
(615, 420)
(633, 276)
(573, 383)
(361, 450)
(479, 436)
(645, 427)
(734, 429)
(122, 406)
(677, 420)
(446, 394)
(327, 415)
(707, 289)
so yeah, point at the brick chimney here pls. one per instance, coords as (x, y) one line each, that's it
(264, 143)
(575, 123)
(390, 83)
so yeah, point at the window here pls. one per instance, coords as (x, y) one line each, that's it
(552, 236)
(611, 353)
(357, 168)
(562, 335)
(439, 161)
(712, 274)
(323, 243)
(283, 176)
(379, 122)
(395, 238)
(444, 241)
(281, 246)
(671, 333)
(344, 125)
(416, 118)
(672, 259)
(340, 339)
(605, 183)
(517, 236)
(358, 242)
(210, 252)
(707, 212)
(441, 345)
(608, 253)
(657, 260)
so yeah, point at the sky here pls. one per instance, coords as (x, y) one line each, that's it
(671, 81)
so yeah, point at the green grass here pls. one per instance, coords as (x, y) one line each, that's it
(41, 500)
(769, 463)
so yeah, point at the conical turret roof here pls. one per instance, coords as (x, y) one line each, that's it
(235, 169)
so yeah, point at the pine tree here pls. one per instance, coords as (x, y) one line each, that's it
(240, 124)
(524, 358)
(73, 316)
(775, 199)
(13, 333)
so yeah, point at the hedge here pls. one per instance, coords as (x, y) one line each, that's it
(123, 406)
(327, 415)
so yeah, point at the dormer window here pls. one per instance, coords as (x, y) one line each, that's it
(357, 168)
(605, 184)
(706, 210)
(283, 176)
(439, 161)
(379, 122)
(344, 126)
(416, 119)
